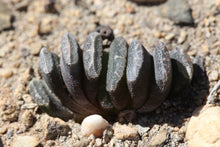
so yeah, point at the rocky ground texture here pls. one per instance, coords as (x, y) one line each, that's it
(28, 25)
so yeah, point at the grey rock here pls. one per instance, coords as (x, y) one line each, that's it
(10, 134)
(177, 10)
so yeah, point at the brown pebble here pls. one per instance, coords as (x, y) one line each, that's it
(124, 132)
(46, 25)
(3, 129)
(205, 49)
(157, 34)
(129, 8)
(26, 118)
(170, 36)
(182, 37)
(54, 127)
(25, 141)
(8, 106)
(159, 139)
(6, 72)
(35, 48)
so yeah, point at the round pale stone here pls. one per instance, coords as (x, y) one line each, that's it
(93, 124)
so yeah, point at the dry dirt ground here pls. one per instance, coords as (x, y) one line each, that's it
(34, 24)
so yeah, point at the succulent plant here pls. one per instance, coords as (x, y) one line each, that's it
(103, 81)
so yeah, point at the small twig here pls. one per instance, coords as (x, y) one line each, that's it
(210, 99)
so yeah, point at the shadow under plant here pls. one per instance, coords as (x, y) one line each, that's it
(179, 107)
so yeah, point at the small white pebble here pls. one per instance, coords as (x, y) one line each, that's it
(94, 124)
